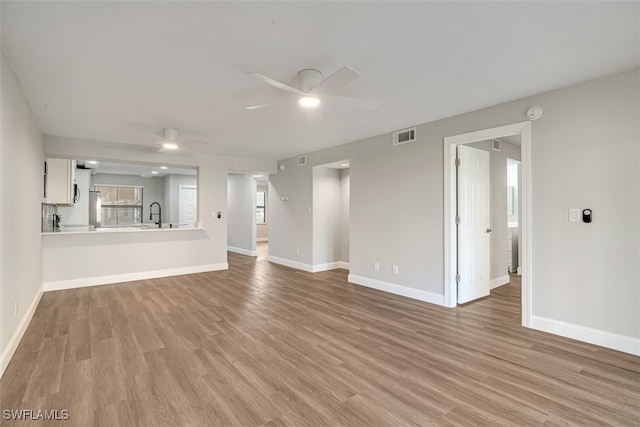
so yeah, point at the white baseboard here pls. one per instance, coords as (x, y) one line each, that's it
(130, 277)
(11, 347)
(290, 263)
(342, 264)
(262, 239)
(582, 333)
(392, 288)
(499, 281)
(242, 251)
(330, 266)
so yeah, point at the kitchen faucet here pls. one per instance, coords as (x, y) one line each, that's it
(159, 213)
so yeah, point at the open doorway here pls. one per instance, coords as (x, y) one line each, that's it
(262, 216)
(455, 265)
(513, 216)
(331, 217)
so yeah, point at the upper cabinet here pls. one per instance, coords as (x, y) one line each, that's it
(60, 180)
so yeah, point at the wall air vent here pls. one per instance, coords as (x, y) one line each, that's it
(404, 136)
(302, 160)
(495, 144)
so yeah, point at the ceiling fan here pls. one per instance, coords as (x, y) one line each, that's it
(312, 90)
(171, 141)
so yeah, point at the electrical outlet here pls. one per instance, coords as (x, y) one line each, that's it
(235, 240)
(376, 266)
(297, 251)
(15, 309)
(395, 269)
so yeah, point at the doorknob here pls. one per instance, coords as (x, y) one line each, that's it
(489, 230)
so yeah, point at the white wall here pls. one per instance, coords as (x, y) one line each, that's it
(326, 215)
(21, 195)
(241, 202)
(262, 230)
(161, 252)
(344, 215)
(152, 190)
(585, 154)
(498, 207)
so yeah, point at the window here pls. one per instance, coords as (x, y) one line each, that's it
(261, 213)
(120, 205)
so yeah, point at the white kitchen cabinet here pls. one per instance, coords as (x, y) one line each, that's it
(60, 181)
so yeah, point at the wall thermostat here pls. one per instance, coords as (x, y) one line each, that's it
(534, 113)
(586, 215)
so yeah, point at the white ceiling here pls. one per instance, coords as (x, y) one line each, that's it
(121, 71)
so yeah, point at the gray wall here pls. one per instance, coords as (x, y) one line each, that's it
(326, 215)
(498, 194)
(262, 230)
(172, 185)
(241, 202)
(21, 193)
(152, 190)
(344, 215)
(585, 154)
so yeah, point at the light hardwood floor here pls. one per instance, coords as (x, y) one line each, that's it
(262, 344)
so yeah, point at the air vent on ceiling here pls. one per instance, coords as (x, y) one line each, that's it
(404, 136)
(302, 160)
(495, 144)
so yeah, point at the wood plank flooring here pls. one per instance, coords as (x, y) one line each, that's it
(265, 345)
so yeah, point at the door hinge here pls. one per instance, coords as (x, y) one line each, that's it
(457, 162)
(458, 278)
(457, 220)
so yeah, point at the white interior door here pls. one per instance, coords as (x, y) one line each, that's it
(474, 224)
(188, 205)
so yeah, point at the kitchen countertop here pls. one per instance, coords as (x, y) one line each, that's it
(90, 230)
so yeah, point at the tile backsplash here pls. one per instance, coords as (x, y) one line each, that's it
(48, 211)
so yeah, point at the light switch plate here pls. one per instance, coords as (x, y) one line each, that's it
(574, 215)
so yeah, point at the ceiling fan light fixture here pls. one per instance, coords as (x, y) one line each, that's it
(309, 101)
(170, 146)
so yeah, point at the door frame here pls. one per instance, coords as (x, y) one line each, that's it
(523, 129)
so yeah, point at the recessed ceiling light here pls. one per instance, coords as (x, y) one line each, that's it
(309, 101)
(170, 146)
(92, 162)
(344, 164)
(154, 172)
(163, 167)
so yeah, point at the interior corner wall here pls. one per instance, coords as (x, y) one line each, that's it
(326, 215)
(241, 203)
(498, 206)
(584, 154)
(344, 215)
(21, 193)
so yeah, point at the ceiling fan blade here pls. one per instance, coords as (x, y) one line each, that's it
(361, 103)
(275, 83)
(340, 78)
(270, 104)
